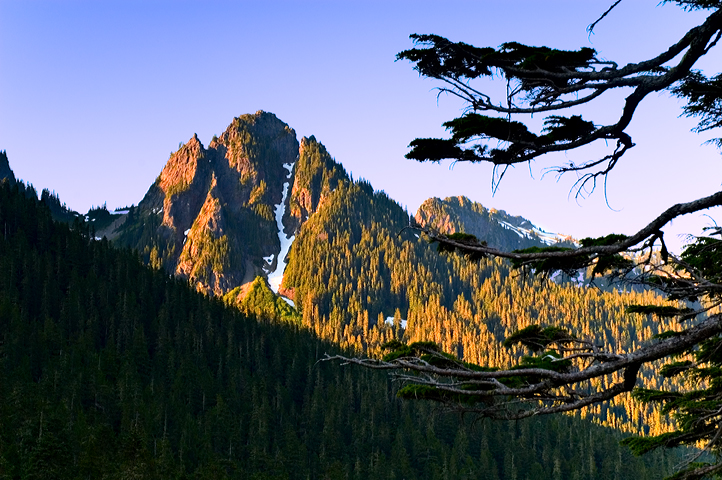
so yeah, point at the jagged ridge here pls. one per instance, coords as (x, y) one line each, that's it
(496, 227)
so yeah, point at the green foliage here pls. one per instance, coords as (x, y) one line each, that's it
(212, 256)
(602, 264)
(536, 338)
(177, 188)
(666, 334)
(110, 369)
(436, 149)
(642, 445)
(610, 239)
(705, 255)
(567, 265)
(264, 211)
(443, 59)
(549, 360)
(562, 129)
(260, 302)
(540, 250)
(428, 352)
(474, 125)
(424, 392)
(258, 192)
(661, 311)
(606, 264)
(695, 4)
(465, 239)
(675, 368)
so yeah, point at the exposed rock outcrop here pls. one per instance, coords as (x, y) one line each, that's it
(496, 227)
(209, 215)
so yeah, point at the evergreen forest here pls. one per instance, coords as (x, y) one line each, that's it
(110, 368)
(360, 278)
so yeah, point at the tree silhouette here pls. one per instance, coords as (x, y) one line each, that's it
(564, 372)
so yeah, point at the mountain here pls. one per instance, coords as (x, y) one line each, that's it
(496, 227)
(112, 369)
(209, 216)
(223, 215)
(5, 172)
(59, 211)
(258, 203)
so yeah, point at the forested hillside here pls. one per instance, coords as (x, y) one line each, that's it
(357, 275)
(112, 369)
(354, 265)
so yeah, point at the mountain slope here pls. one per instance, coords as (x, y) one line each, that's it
(316, 176)
(357, 275)
(361, 279)
(111, 369)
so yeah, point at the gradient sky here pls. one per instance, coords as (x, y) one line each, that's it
(95, 95)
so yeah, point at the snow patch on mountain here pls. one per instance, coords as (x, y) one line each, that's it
(535, 232)
(390, 321)
(275, 277)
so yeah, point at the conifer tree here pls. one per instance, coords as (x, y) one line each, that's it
(563, 371)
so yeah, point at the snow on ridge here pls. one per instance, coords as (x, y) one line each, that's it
(275, 277)
(534, 231)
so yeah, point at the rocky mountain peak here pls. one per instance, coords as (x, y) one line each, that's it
(209, 216)
(181, 186)
(251, 155)
(496, 227)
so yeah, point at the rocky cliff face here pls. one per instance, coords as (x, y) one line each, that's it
(209, 216)
(496, 227)
(5, 171)
(218, 215)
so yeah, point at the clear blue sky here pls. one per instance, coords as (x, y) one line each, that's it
(94, 95)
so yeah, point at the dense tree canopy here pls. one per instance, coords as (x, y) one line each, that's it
(113, 369)
(562, 371)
